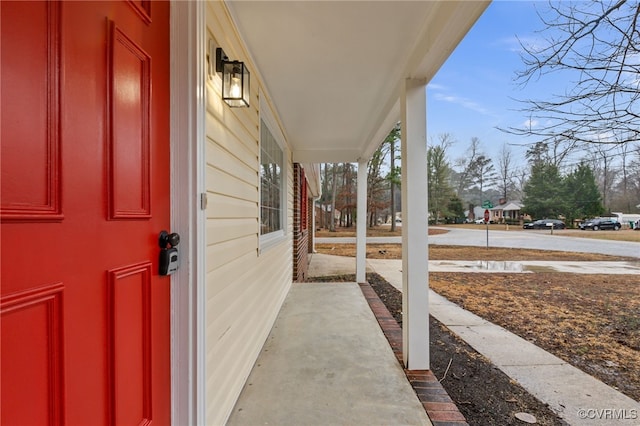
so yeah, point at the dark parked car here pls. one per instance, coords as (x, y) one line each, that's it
(601, 223)
(544, 224)
(586, 224)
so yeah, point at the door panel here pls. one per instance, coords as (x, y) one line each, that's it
(129, 98)
(30, 93)
(130, 340)
(36, 314)
(85, 191)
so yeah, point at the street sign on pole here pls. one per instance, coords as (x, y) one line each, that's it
(486, 221)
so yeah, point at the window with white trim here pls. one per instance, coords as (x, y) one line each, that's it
(272, 185)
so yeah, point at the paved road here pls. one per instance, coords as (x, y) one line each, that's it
(541, 240)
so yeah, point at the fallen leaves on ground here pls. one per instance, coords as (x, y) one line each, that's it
(590, 321)
(444, 252)
(379, 231)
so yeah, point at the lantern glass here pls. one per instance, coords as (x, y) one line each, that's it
(235, 84)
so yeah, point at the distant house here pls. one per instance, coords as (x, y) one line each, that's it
(498, 214)
(507, 211)
(476, 213)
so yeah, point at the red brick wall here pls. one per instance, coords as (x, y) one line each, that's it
(300, 224)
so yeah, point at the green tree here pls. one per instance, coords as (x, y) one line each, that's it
(582, 194)
(484, 174)
(544, 194)
(439, 187)
(456, 209)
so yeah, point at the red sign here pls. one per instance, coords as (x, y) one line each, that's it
(486, 216)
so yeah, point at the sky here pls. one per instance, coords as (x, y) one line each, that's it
(474, 91)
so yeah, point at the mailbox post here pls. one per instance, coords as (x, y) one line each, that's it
(551, 225)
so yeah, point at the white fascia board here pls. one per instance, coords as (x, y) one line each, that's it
(312, 173)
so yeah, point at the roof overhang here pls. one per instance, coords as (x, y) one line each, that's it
(312, 173)
(512, 207)
(334, 69)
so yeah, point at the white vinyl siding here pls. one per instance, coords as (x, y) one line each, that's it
(244, 288)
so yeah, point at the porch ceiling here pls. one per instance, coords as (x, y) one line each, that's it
(333, 69)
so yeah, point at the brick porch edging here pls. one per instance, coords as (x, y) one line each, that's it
(434, 398)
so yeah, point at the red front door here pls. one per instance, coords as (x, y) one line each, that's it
(84, 194)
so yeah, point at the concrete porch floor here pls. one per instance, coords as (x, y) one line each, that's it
(327, 362)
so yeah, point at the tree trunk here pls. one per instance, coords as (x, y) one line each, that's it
(325, 213)
(393, 186)
(332, 222)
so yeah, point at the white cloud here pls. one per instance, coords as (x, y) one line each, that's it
(530, 123)
(604, 137)
(464, 102)
(511, 44)
(515, 44)
(435, 86)
(630, 78)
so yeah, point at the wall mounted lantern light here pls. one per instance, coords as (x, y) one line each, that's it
(235, 80)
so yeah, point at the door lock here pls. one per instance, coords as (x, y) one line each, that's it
(169, 259)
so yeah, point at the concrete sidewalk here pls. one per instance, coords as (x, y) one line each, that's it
(576, 396)
(326, 362)
(323, 264)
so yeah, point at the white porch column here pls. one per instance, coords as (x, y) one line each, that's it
(361, 224)
(415, 303)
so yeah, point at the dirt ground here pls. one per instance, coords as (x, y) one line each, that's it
(483, 393)
(394, 251)
(590, 321)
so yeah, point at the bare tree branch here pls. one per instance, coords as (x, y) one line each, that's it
(596, 44)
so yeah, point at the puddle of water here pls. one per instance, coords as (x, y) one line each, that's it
(496, 266)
